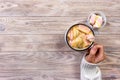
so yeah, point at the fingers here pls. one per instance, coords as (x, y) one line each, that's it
(93, 51)
(97, 49)
(100, 51)
(96, 54)
(100, 48)
(91, 56)
(100, 56)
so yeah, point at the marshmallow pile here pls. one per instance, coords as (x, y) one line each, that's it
(80, 37)
(96, 20)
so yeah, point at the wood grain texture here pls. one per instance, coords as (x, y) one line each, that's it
(53, 25)
(32, 45)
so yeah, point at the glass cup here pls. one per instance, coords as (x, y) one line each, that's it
(97, 13)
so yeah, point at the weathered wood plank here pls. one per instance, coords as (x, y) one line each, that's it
(40, 65)
(50, 42)
(111, 67)
(50, 25)
(53, 65)
(57, 7)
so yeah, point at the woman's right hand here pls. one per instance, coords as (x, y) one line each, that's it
(96, 54)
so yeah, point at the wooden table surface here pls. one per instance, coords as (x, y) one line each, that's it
(32, 45)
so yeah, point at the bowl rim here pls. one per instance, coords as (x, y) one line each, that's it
(66, 40)
(99, 13)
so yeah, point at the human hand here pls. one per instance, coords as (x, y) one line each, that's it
(96, 54)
